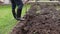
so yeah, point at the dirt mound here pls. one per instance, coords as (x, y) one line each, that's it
(39, 20)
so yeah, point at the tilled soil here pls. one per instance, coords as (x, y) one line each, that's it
(46, 20)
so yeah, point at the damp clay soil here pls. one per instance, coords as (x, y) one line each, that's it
(39, 20)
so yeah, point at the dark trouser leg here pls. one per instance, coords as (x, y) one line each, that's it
(13, 8)
(14, 14)
(20, 6)
(19, 11)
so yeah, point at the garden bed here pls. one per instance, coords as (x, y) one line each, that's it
(40, 19)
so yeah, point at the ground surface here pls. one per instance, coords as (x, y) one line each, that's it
(6, 19)
(40, 20)
(7, 22)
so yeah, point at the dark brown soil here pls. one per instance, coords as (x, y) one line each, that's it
(39, 20)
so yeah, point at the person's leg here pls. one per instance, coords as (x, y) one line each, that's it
(13, 8)
(19, 10)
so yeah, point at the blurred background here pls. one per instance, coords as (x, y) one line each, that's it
(8, 1)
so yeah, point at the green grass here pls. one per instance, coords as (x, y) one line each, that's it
(7, 22)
